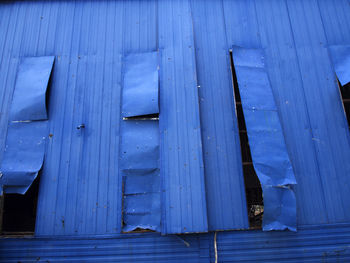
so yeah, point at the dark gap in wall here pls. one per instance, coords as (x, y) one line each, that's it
(139, 230)
(48, 92)
(19, 211)
(345, 96)
(253, 189)
(154, 116)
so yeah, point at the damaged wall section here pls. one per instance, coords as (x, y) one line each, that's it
(25, 142)
(341, 62)
(340, 56)
(139, 155)
(269, 154)
(141, 85)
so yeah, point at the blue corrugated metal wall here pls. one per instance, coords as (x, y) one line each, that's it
(329, 243)
(80, 190)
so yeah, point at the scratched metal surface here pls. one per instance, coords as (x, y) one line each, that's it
(80, 187)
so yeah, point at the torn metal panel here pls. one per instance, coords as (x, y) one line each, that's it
(139, 160)
(135, 221)
(256, 85)
(23, 156)
(141, 84)
(279, 208)
(341, 61)
(29, 98)
(268, 149)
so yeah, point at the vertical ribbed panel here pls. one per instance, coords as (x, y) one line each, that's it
(226, 202)
(329, 126)
(184, 201)
(284, 73)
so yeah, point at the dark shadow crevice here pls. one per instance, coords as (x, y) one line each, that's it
(253, 190)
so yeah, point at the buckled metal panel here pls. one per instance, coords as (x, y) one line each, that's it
(340, 56)
(266, 139)
(141, 84)
(29, 98)
(23, 156)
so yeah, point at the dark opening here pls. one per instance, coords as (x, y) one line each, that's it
(148, 117)
(48, 93)
(19, 211)
(345, 95)
(253, 189)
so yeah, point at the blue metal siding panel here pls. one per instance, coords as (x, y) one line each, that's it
(226, 203)
(88, 39)
(335, 20)
(182, 171)
(327, 118)
(91, 200)
(285, 75)
(29, 97)
(140, 84)
(84, 187)
(23, 156)
(266, 139)
(328, 243)
(309, 244)
(139, 161)
(128, 248)
(340, 56)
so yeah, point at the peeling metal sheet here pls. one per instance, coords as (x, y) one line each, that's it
(341, 61)
(141, 84)
(279, 208)
(142, 211)
(140, 171)
(266, 136)
(23, 156)
(29, 99)
(268, 149)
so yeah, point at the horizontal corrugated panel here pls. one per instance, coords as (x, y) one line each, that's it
(127, 248)
(329, 243)
(311, 244)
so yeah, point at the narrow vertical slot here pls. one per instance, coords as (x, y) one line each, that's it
(345, 97)
(253, 189)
